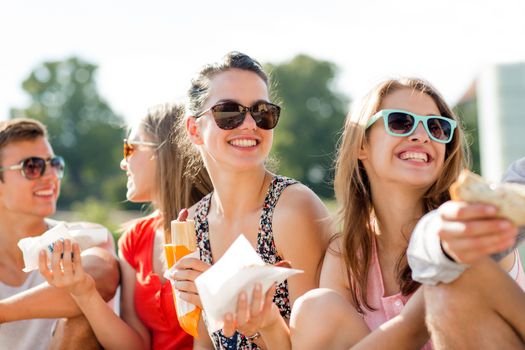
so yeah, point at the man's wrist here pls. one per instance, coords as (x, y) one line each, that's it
(3, 313)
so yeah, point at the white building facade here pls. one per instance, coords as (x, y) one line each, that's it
(500, 91)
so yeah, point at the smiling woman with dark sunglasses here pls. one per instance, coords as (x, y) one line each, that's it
(230, 114)
(232, 122)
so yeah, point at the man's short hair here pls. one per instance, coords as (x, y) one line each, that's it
(19, 129)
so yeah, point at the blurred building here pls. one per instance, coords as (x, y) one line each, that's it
(500, 95)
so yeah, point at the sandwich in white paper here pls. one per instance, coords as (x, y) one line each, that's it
(86, 235)
(239, 269)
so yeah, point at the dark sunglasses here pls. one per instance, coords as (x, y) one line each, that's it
(230, 115)
(33, 168)
(403, 123)
(130, 146)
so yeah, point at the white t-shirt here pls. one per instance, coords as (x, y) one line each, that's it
(34, 334)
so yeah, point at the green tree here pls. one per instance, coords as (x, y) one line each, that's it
(468, 114)
(311, 120)
(82, 127)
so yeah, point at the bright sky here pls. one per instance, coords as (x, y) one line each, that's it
(148, 50)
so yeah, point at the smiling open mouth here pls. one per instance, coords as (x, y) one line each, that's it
(415, 156)
(243, 143)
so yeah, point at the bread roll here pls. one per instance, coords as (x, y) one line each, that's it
(508, 197)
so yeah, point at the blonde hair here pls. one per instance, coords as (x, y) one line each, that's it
(352, 187)
(180, 180)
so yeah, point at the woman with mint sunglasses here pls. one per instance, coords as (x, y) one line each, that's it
(399, 152)
(389, 174)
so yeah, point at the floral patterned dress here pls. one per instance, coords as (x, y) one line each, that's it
(265, 248)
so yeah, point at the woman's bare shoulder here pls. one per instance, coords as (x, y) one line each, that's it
(301, 221)
(300, 200)
(333, 272)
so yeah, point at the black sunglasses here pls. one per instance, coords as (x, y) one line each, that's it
(33, 168)
(230, 115)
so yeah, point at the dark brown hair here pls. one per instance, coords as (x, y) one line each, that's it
(200, 85)
(19, 129)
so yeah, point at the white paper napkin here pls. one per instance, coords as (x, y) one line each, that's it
(86, 236)
(239, 269)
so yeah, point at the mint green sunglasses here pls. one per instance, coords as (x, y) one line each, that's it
(402, 123)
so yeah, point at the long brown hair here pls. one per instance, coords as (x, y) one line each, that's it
(180, 180)
(352, 187)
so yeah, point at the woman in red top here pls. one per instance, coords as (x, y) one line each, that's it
(157, 173)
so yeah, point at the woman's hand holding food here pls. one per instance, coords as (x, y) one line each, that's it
(65, 269)
(258, 316)
(186, 271)
(252, 318)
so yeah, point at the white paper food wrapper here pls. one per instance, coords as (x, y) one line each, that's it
(86, 236)
(239, 269)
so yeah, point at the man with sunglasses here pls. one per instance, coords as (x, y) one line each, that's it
(453, 251)
(30, 177)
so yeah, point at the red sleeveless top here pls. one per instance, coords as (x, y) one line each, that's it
(153, 300)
